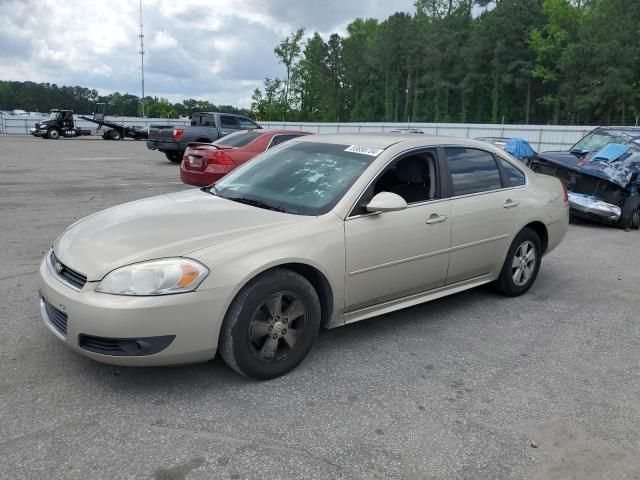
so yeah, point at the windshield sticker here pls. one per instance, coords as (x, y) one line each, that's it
(374, 152)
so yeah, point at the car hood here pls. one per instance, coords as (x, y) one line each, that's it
(164, 226)
(618, 172)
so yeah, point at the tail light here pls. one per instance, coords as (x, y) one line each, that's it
(220, 158)
(565, 194)
(177, 134)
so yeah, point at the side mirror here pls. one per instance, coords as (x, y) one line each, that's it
(386, 202)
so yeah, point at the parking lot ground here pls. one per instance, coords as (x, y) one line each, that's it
(473, 386)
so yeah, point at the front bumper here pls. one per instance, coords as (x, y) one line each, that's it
(194, 319)
(586, 205)
(38, 132)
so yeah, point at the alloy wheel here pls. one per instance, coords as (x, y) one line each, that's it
(276, 327)
(524, 263)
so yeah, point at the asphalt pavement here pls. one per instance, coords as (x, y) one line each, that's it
(472, 386)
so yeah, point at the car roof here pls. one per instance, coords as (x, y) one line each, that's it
(279, 132)
(631, 131)
(385, 140)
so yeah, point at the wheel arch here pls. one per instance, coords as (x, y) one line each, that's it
(542, 232)
(313, 275)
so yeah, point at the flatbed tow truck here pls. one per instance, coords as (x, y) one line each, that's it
(116, 131)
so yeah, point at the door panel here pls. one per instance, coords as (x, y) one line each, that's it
(394, 254)
(482, 231)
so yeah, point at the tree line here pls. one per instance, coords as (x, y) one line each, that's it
(485, 61)
(42, 97)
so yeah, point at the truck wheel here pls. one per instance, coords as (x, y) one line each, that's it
(174, 156)
(630, 217)
(116, 135)
(53, 134)
(107, 134)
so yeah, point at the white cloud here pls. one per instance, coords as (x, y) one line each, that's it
(220, 51)
(162, 39)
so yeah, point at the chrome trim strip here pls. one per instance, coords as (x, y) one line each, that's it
(414, 299)
(47, 321)
(430, 254)
(55, 275)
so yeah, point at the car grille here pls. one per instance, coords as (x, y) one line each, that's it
(66, 274)
(106, 346)
(57, 318)
(124, 346)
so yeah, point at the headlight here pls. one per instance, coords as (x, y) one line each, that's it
(156, 277)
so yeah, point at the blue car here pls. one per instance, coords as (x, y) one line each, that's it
(602, 174)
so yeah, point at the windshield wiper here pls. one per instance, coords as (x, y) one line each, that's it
(256, 203)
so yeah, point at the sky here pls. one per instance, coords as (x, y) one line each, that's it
(206, 49)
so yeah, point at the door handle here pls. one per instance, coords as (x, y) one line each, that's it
(435, 218)
(510, 204)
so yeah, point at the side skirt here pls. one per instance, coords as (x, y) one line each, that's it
(416, 298)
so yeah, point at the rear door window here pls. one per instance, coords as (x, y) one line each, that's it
(227, 121)
(472, 171)
(207, 121)
(515, 176)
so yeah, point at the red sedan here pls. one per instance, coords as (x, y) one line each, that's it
(206, 163)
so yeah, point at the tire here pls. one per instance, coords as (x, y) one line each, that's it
(254, 338)
(514, 280)
(116, 135)
(630, 217)
(106, 134)
(174, 156)
(53, 134)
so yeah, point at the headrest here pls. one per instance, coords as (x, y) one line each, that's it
(411, 170)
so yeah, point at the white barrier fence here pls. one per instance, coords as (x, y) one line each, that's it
(20, 124)
(541, 137)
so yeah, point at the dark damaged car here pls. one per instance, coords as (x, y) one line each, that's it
(602, 174)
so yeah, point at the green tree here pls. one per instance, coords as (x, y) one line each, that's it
(288, 51)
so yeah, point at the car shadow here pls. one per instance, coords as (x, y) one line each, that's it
(330, 346)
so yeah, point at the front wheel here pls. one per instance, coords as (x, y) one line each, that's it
(53, 134)
(271, 325)
(630, 217)
(174, 156)
(522, 264)
(116, 135)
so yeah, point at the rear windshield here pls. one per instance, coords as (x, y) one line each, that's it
(238, 139)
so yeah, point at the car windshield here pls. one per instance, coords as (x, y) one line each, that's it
(238, 139)
(302, 178)
(54, 115)
(598, 140)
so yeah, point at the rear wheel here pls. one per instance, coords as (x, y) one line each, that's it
(174, 156)
(522, 264)
(271, 325)
(116, 135)
(53, 134)
(630, 217)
